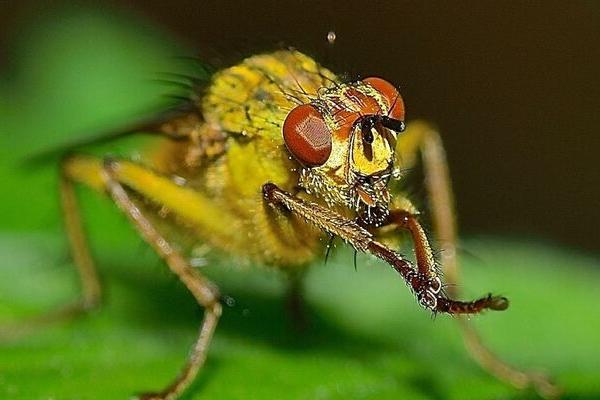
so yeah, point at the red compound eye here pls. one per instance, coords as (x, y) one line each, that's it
(306, 135)
(391, 94)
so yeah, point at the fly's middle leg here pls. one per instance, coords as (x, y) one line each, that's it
(120, 179)
(204, 291)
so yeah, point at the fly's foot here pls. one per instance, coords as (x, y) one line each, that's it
(489, 302)
(428, 291)
(426, 288)
(151, 396)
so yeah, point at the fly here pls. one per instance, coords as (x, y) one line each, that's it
(274, 157)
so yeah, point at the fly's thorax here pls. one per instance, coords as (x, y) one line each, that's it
(253, 97)
(344, 141)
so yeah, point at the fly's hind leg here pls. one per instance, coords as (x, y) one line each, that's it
(295, 300)
(119, 178)
(91, 289)
(90, 283)
(422, 137)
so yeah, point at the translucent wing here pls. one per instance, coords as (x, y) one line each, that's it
(156, 122)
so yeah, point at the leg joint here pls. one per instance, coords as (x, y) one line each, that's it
(214, 308)
(268, 190)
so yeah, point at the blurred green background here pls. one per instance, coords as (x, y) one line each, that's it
(515, 91)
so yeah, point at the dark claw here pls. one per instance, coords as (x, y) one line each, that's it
(498, 303)
(149, 396)
(163, 395)
(435, 285)
(427, 299)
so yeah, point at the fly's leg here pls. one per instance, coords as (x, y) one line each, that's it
(424, 138)
(201, 288)
(426, 288)
(295, 300)
(90, 284)
(421, 137)
(425, 260)
(118, 178)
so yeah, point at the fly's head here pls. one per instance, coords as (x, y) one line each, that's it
(345, 140)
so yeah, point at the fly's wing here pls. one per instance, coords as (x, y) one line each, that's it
(176, 122)
(160, 98)
(251, 99)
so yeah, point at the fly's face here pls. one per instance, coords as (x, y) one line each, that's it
(345, 140)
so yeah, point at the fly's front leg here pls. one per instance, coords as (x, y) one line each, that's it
(429, 285)
(421, 137)
(426, 287)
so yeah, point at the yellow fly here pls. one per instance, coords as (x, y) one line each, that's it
(275, 155)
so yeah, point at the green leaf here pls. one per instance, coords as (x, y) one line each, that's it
(367, 338)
